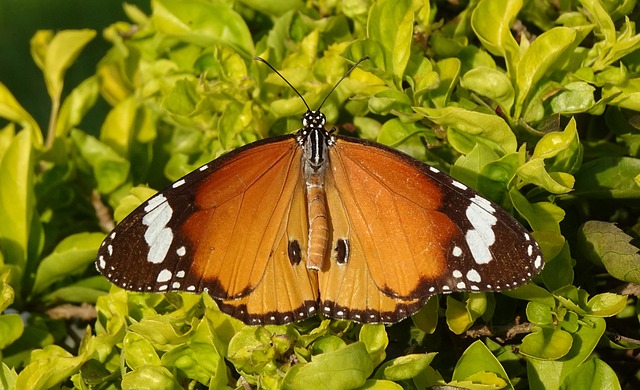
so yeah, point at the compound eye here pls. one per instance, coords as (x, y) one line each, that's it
(307, 119)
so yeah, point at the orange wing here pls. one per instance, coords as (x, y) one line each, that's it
(223, 229)
(411, 232)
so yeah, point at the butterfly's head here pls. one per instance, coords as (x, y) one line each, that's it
(313, 120)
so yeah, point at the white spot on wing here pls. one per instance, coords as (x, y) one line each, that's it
(461, 285)
(538, 262)
(203, 168)
(457, 252)
(434, 170)
(164, 276)
(456, 274)
(101, 263)
(191, 288)
(180, 274)
(158, 236)
(175, 285)
(110, 249)
(473, 276)
(181, 251)
(481, 237)
(459, 185)
(155, 202)
(178, 183)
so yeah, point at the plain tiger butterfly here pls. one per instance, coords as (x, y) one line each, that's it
(313, 222)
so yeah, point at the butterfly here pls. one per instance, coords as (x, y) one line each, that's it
(317, 223)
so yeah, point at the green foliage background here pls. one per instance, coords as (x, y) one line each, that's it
(535, 104)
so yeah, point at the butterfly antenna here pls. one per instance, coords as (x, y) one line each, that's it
(296, 91)
(282, 77)
(339, 81)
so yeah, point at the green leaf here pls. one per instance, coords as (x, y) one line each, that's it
(380, 384)
(575, 98)
(150, 377)
(77, 293)
(542, 216)
(490, 83)
(405, 367)
(11, 110)
(38, 374)
(11, 328)
(71, 256)
(546, 343)
(426, 319)
(561, 150)
(183, 98)
(199, 361)
(203, 23)
(345, 368)
(7, 294)
(448, 73)
(390, 24)
(403, 136)
(535, 172)
(549, 48)
(609, 177)
(120, 126)
(593, 374)
(606, 304)
(459, 319)
(138, 351)
(477, 358)
(539, 314)
(273, 8)
(491, 21)
(625, 95)
(466, 128)
(159, 331)
(558, 271)
(614, 45)
(551, 373)
(54, 54)
(17, 200)
(75, 106)
(533, 293)
(376, 340)
(467, 168)
(109, 169)
(8, 377)
(606, 245)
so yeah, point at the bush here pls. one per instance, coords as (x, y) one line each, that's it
(535, 107)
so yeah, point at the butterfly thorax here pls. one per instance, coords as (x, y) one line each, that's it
(314, 139)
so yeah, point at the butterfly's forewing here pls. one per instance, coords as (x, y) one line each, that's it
(413, 232)
(222, 229)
